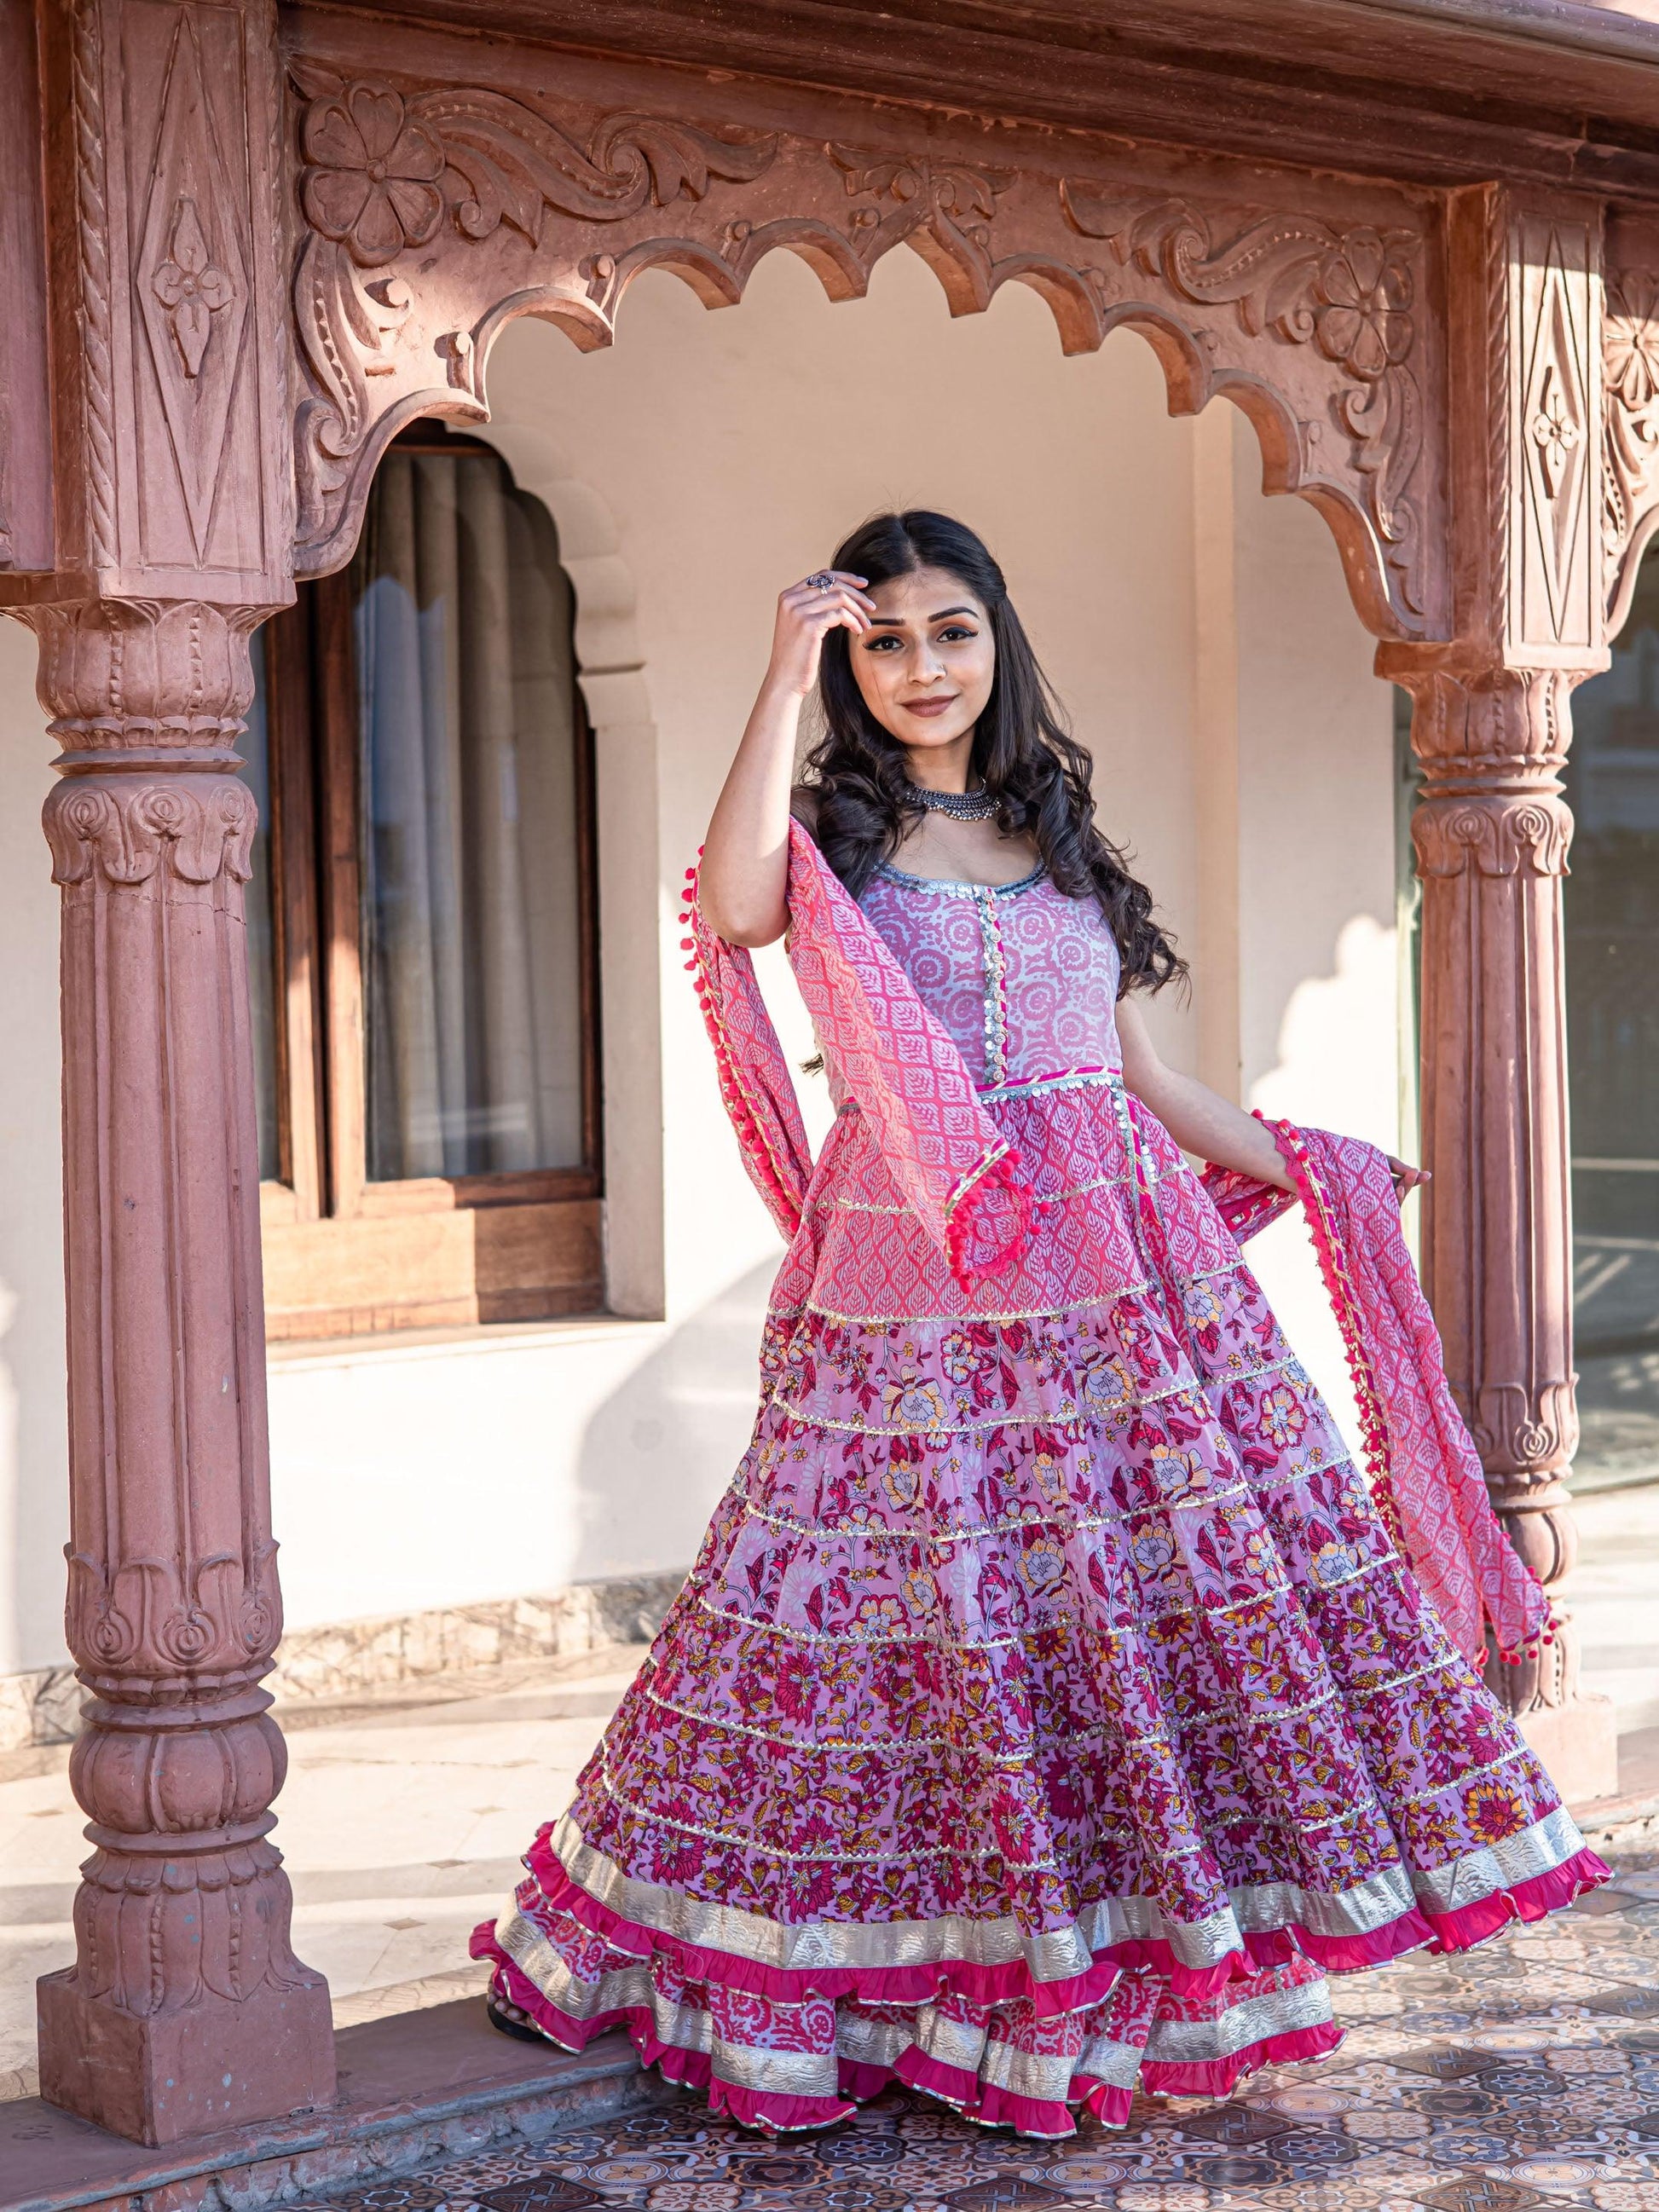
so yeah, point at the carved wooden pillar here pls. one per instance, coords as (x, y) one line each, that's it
(1490, 725)
(186, 2010)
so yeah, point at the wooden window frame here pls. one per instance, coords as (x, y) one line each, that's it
(345, 1257)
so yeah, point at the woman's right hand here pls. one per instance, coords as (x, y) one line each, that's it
(744, 882)
(807, 612)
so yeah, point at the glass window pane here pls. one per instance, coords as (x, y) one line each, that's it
(1613, 1015)
(470, 922)
(256, 904)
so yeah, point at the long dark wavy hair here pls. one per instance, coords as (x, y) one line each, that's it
(1026, 757)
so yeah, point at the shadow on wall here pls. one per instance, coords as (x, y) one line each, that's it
(1336, 1066)
(1337, 1063)
(683, 1419)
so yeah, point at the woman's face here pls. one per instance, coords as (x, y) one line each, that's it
(925, 665)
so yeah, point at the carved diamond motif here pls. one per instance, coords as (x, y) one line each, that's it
(1553, 441)
(190, 288)
(1554, 432)
(192, 281)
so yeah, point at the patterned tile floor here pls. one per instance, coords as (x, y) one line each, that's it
(1524, 2074)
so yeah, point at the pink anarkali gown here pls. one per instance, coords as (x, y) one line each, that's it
(1049, 1710)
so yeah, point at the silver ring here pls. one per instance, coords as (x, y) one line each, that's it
(819, 580)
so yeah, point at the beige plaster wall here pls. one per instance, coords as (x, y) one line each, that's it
(1319, 1036)
(1297, 987)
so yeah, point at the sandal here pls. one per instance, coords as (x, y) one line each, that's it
(509, 2019)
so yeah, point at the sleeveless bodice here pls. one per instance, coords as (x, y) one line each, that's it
(1023, 978)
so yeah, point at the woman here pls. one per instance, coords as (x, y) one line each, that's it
(1054, 1702)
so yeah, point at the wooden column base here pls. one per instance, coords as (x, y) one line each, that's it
(1578, 1743)
(222, 2063)
(1575, 1733)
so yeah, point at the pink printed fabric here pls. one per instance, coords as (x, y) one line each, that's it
(890, 1055)
(1421, 1455)
(753, 1076)
(1049, 1710)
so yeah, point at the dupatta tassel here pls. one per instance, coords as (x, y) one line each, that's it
(988, 1220)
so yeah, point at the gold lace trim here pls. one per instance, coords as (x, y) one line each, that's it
(911, 1746)
(1269, 1595)
(1112, 1409)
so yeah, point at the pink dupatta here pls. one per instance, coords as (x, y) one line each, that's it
(900, 1068)
(897, 1062)
(1425, 1474)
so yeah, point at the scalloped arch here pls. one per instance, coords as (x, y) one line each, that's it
(1303, 321)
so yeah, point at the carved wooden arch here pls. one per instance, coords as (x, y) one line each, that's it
(429, 215)
(1631, 423)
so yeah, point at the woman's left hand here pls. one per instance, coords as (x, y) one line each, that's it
(1407, 1178)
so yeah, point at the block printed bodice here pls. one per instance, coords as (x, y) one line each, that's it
(1023, 978)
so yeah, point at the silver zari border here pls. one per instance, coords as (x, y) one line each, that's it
(1062, 1952)
(1548, 1843)
(1053, 1957)
(957, 2043)
(1253, 2019)
(1027, 2073)
(536, 1960)
(868, 2042)
(686, 2028)
(1104, 2058)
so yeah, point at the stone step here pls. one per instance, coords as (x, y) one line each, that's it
(1631, 1816)
(415, 2089)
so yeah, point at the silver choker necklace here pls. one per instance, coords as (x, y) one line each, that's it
(960, 805)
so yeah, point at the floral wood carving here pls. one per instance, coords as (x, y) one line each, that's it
(1348, 293)
(1548, 524)
(170, 1918)
(380, 170)
(1501, 836)
(433, 215)
(209, 1615)
(1630, 475)
(190, 287)
(944, 209)
(193, 827)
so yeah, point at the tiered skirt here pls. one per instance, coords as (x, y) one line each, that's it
(1047, 1712)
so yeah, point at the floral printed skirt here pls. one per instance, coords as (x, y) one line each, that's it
(1048, 1713)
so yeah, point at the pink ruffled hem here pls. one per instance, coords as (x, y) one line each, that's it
(1534, 1899)
(691, 2070)
(1340, 1954)
(1219, 2077)
(1416, 1929)
(916, 1984)
(981, 2101)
